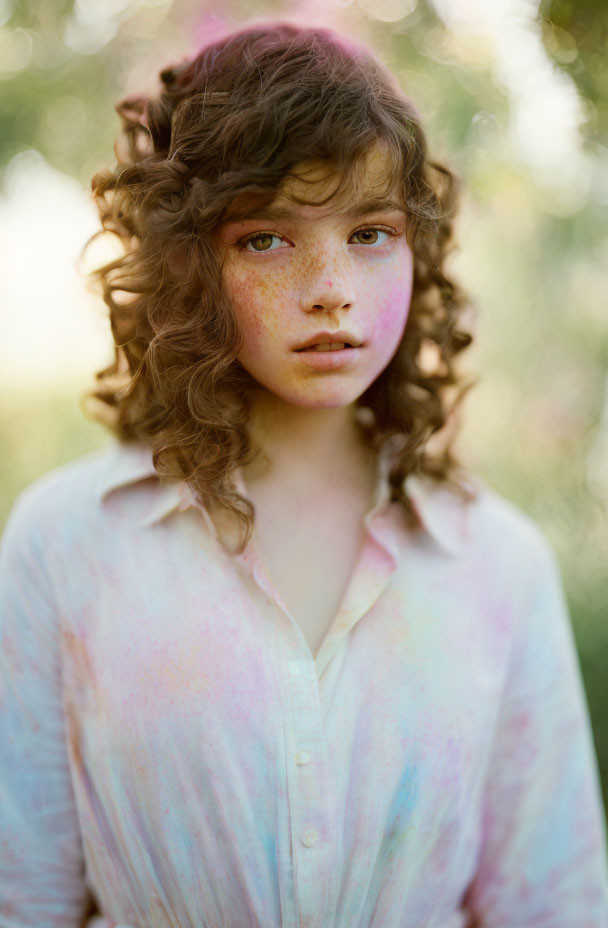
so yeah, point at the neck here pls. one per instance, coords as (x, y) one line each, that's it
(310, 447)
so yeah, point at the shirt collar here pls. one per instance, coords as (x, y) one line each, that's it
(442, 512)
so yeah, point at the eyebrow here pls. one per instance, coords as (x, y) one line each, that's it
(351, 211)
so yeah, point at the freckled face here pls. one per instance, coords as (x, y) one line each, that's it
(288, 278)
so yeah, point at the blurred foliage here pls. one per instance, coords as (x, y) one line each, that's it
(40, 430)
(536, 427)
(575, 34)
(63, 66)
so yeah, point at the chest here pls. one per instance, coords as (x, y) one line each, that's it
(309, 557)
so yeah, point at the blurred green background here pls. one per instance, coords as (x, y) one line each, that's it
(514, 96)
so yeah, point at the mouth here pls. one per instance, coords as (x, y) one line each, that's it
(334, 356)
(324, 340)
(327, 346)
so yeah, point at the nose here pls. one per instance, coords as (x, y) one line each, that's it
(329, 288)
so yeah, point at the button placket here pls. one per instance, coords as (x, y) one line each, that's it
(312, 799)
(309, 834)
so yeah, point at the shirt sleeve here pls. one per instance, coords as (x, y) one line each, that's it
(41, 860)
(543, 854)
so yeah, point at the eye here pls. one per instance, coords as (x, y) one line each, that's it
(374, 232)
(262, 238)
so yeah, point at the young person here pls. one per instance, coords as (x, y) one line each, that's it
(274, 657)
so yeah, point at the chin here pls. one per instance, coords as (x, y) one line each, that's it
(321, 402)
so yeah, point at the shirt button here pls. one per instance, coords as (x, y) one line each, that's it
(302, 757)
(309, 837)
(294, 668)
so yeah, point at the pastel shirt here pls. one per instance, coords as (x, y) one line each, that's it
(171, 749)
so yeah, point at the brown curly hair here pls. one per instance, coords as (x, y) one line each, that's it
(232, 123)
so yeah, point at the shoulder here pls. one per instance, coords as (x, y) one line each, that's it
(494, 516)
(68, 498)
(477, 521)
(46, 496)
(499, 530)
(504, 560)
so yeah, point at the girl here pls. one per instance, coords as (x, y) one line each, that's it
(274, 657)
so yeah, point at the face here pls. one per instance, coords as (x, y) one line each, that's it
(294, 271)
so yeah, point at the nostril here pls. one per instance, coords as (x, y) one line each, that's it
(320, 306)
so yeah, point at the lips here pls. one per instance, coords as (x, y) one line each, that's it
(334, 346)
(326, 346)
(328, 338)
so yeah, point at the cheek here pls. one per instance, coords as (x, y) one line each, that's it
(253, 300)
(396, 289)
(392, 314)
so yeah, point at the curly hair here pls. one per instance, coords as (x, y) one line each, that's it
(229, 126)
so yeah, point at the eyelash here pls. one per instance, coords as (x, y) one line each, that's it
(242, 243)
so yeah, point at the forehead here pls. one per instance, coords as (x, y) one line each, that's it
(313, 189)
